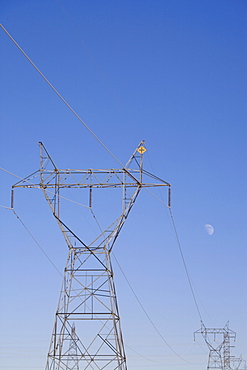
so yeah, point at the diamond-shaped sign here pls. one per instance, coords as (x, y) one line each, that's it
(141, 149)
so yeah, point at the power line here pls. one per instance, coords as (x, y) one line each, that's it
(185, 266)
(140, 355)
(179, 246)
(36, 242)
(139, 302)
(147, 315)
(42, 250)
(59, 95)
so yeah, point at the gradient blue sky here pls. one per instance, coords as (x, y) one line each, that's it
(174, 74)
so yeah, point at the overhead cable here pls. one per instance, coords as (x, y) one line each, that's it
(179, 244)
(185, 266)
(147, 315)
(59, 95)
(36, 242)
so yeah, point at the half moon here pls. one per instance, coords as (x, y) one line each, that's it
(209, 229)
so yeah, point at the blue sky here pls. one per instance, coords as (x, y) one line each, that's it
(173, 74)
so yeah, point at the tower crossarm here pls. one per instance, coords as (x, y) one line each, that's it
(53, 182)
(218, 342)
(215, 331)
(91, 178)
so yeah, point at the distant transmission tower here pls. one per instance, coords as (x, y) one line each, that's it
(88, 295)
(72, 362)
(219, 344)
(238, 363)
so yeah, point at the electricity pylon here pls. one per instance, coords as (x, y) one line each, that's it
(88, 295)
(238, 363)
(219, 353)
(72, 362)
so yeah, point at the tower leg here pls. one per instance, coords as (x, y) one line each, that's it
(87, 298)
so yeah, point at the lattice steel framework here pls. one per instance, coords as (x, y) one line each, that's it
(72, 362)
(238, 363)
(88, 295)
(219, 353)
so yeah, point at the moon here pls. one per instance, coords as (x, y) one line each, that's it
(209, 229)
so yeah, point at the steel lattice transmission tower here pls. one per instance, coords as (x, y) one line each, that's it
(88, 295)
(72, 362)
(238, 363)
(218, 341)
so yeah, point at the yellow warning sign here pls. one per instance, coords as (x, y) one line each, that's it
(141, 149)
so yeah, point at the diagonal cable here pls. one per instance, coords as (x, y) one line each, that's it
(59, 95)
(147, 315)
(42, 250)
(185, 266)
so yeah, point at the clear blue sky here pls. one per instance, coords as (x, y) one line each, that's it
(174, 74)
